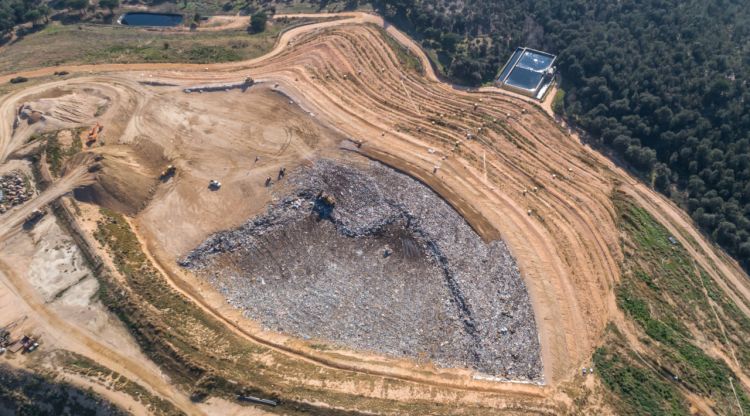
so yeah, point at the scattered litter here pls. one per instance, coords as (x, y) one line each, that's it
(472, 310)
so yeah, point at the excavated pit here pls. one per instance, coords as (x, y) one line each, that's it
(385, 265)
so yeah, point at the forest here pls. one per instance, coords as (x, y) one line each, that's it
(15, 12)
(663, 84)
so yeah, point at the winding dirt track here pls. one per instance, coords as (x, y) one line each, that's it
(15, 218)
(520, 177)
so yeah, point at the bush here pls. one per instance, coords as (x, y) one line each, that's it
(558, 103)
(258, 22)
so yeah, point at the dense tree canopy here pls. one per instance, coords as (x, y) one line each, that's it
(664, 83)
(14, 12)
(258, 21)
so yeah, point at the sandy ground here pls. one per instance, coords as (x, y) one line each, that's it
(521, 177)
(46, 280)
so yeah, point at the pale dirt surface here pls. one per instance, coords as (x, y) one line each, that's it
(74, 321)
(567, 247)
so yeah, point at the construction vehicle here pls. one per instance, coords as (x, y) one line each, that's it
(327, 199)
(94, 134)
(33, 218)
(5, 331)
(5, 340)
(214, 185)
(168, 172)
(28, 344)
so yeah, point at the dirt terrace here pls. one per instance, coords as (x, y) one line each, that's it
(518, 176)
(388, 267)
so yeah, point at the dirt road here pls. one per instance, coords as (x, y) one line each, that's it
(66, 336)
(497, 158)
(14, 218)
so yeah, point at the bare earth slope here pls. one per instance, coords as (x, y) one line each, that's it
(498, 160)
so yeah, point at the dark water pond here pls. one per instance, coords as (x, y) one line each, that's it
(150, 19)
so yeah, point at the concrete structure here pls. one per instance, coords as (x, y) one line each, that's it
(528, 72)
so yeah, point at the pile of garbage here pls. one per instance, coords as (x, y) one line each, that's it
(364, 257)
(13, 191)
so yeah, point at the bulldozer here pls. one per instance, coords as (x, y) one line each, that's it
(94, 134)
(168, 172)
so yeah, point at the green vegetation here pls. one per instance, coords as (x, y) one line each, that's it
(662, 290)
(15, 12)
(206, 358)
(25, 393)
(258, 21)
(168, 335)
(88, 368)
(406, 58)
(60, 44)
(558, 103)
(110, 5)
(58, 153)
(649, 79)
(637, 388)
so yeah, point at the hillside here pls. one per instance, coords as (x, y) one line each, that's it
(663, 84)
(331, 229)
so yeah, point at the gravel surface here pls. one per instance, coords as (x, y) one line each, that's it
(371, 259)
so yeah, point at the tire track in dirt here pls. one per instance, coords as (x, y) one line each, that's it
(567, 248)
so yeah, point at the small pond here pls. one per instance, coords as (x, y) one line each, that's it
(150, 19)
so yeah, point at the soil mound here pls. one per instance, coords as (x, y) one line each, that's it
(126, 176)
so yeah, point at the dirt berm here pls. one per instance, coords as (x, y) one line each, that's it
(126, 176)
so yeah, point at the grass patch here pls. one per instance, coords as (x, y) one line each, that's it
(57, 153)
(59, 44)
(207, 359)
(90, 369)
(558, 103)
(26, 393)
(662, 291)
(405, 57)
(638, 390)
(173, 332)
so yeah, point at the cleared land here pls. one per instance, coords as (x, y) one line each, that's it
(591, 243)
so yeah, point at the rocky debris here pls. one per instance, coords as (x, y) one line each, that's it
(25, 112)
(247, 83)
(13, 190)
(371, 259)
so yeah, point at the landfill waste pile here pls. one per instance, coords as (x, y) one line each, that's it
(14, 190)
(364, 257)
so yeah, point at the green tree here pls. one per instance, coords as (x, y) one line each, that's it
(110, 5)
(79, 5)
(258, 22)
